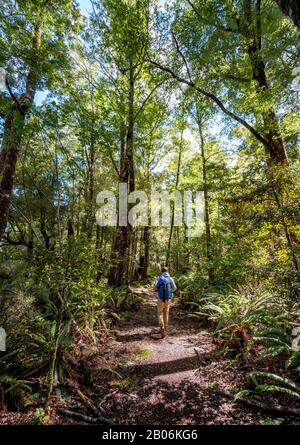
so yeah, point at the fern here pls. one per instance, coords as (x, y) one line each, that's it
(283, 385)
(15, 390)
(277, 389)
(239, 315)
(273, 351)
(14, 385)
(293, 361)
(278, 342)
(277, 378)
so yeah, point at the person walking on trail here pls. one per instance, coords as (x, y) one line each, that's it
(164, 286)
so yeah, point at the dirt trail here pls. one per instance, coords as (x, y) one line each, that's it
(170, 381)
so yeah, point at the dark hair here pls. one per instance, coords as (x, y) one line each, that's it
(164, 269)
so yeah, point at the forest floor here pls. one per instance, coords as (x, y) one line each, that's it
(135, 377)
(143, 379)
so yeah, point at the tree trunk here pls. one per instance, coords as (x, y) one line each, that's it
(291, 238)
(252, 33)
(146, 241)
(291, 8)
(172, 203)
(14, 124)
(132, 271)
(13, 131)
(43, 228)
(91, 163)
(272, 134)
(89, 193)
(208, 241)
(118, 273)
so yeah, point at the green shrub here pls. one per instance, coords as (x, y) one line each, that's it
(238, 314)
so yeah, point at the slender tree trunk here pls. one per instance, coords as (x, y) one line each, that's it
(208, 240)
(178, 264)
(146, 242)
(70, 228)
(291, 238)
(99, 237)
(129, 138)
(132, 263)
(91, 163)
(89, 193)
(43, 228)
(172, 203)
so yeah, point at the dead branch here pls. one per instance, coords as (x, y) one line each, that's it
(90, 404)
(260, 405)
(105, 398)
(87, 419)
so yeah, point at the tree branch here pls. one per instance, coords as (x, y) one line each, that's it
(287, 410)
(114, 163)
(216, 100)
(182, 56)
(25, 218)
(82, 417)
(27, 98)
(3, 100)
(147, 98)
(12, 95)
(236, 78)
(19, 242)
(217, 25)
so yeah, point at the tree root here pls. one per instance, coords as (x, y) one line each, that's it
(87, 419)
(105, 398)
(90, 404)
(260, 405)
(99, 419)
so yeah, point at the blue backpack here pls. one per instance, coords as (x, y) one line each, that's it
(164, 288)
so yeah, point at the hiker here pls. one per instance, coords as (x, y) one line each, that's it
(164, 286)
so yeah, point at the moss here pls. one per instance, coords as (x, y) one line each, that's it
(144, 352)
(129, 382)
